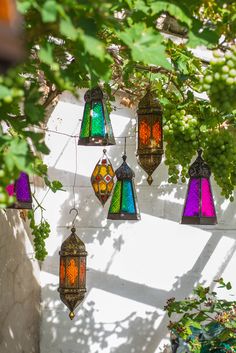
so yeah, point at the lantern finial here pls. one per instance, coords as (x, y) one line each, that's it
(71, 315)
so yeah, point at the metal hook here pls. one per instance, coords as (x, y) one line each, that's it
(77, 213)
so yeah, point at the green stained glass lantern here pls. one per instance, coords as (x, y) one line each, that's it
(124, 204)
(96, 129)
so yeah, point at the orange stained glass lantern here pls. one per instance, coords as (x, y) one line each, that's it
(102, 178)
(11, 44)
(72, 287)
(150, 137)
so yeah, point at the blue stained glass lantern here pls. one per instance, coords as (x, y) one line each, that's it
(124, 204)
(96, 129)
(21, 191)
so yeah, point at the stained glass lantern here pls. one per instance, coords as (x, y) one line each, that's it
(150, 142)
(21, 191)
(124, 204)
(96, 129)
(11, 47)
(102, 179)
(72, 287)
(199, 205)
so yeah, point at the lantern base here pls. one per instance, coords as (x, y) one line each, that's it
(21, 206)
(95, 141)
(124, 216)
(71, 297)
(199, 220)
(149, 163)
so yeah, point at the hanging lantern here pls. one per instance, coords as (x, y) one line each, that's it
(199, 205)
(124, 201)
(72, 287)
(96, 129)
(11, 47)
(102, 179)
(150, 142)
(21, 190)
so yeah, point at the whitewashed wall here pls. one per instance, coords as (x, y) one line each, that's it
(19, 287)
(133, 266)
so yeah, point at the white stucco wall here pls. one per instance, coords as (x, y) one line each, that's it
(19, 287)
(133, 266)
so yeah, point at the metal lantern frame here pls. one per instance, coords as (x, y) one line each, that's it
(199, 171)
(150, 129)
(86, 138)
(72, 287)
(124, 174)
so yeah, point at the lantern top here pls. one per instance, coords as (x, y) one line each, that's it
(149, 103)
(94, 94)
(199, 168)
(73, 245)
(124, 171)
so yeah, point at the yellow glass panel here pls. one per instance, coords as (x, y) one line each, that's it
(110, 186)
(102, 186)
(96, 171)
(95, 187)
(103, 171)
(110, 170)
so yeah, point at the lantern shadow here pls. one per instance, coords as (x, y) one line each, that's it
(19, 288)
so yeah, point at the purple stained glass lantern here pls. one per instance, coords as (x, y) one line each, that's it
(21, 190)
(199, 205)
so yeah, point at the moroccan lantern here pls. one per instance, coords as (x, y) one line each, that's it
(11, 47)
(96, 129)
(199, 205)
(102, 178)
(150, 142)
(21, 191)
(124, 204)
(72, 287)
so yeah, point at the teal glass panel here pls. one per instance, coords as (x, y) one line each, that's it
(98, 124)
(86, 121)
(108, 122)
(127, 197)
(116, 198)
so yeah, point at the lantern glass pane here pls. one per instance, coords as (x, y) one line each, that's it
(98, 126)
(208, 209)
(22, 188)
(193, 198)
(144, 133)
(62, 272)
(116, 198)
(86, 121)
(127, 197)
(156, 132)
(72, 271)
(108, 122)
(82, 269)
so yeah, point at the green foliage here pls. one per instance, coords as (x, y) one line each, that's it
(205, 323)
(120, 45)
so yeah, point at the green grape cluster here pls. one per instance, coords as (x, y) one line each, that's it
(220, 154)
(220, 80)
(41, 232)
(181, 132)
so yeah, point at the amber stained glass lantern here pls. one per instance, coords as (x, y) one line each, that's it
(11, 47)
(199, 204)
(102, 178)
(72, 287)
(96, 129)
(150, 141)
(21, 191)
(124, 205)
